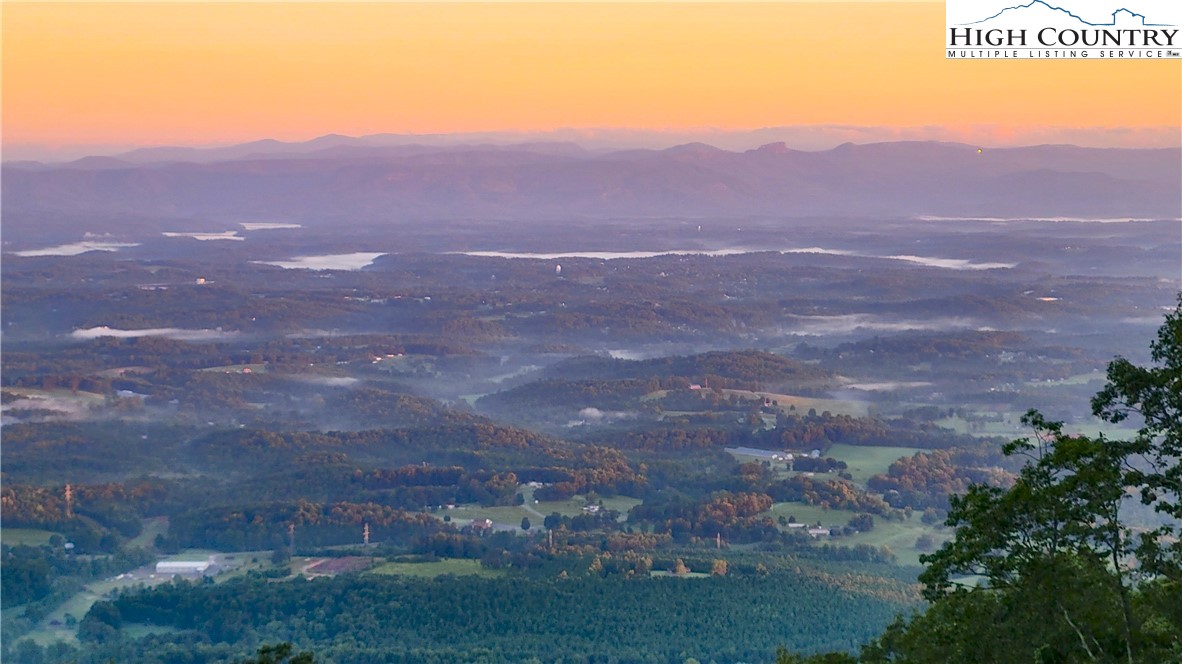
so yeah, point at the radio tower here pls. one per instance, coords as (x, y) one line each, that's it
(365, 534)
(69, 502)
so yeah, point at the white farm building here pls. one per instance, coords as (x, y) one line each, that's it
(192, 567)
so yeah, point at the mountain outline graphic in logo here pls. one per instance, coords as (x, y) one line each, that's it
(1063, 29)
(1113, 15)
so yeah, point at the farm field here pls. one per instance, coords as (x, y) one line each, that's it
(455, 566)
(811, 514)
(26, 536)
(334, 566)
(575, 505)
(501, 515)
(899, 536)
(865, 461)
(803, 404)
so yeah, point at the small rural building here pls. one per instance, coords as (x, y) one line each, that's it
(480, 525)
(187, 567)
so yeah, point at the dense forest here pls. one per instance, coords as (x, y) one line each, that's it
(578, 619)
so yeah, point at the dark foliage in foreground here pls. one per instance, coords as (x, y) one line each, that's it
(1054, 551)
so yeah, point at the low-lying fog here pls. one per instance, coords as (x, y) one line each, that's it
(169, 332)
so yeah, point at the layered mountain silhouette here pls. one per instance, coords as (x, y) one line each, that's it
(337, 178)
(1036, 6)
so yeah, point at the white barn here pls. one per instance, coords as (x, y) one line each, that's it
(191, 567)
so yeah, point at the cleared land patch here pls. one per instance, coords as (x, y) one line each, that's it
(865, 461)
(28, 536)
(899, 536)
(432, 569)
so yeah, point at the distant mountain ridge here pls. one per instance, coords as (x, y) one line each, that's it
(336, 177)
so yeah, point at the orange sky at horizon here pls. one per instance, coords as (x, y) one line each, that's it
(207, 73)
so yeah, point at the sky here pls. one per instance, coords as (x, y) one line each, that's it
(82, 78)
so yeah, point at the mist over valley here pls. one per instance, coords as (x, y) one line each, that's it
(597, 385)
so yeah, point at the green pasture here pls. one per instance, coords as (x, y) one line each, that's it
(78, 605)
(507, 515)
(574, 505)
(154, 526)
(803, 404)
(899, 536)
(865, 461)
(811, 514)
(27, 536)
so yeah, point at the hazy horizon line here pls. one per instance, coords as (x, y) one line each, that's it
(800, 137)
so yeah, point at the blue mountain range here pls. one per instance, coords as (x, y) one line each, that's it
(1032, 3)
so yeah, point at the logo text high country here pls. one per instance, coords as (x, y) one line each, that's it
(1099, 37)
